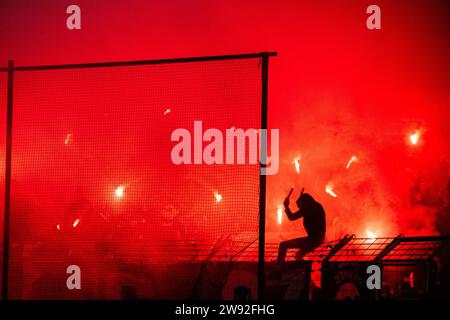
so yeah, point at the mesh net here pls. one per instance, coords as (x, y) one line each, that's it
(94, 185)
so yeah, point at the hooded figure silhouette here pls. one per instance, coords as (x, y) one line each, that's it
(314, 223)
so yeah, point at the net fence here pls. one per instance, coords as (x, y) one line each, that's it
(93, 183)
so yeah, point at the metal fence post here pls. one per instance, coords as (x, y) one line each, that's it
(262, 179)
(6, 212)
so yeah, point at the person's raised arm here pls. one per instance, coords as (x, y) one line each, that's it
(291, 215)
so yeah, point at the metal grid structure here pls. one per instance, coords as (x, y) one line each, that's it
(408, 266)
(414, 249)
(407, 263)
(403, 249)
(364, 249)
(348, 249)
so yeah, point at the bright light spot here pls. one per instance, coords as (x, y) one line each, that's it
(329, 190)
(68, 139)
(76, 222)
(353, 159)
(218, 196)
(119, 191)
(167, 112)
(280, 214)
(415, 137)
(371, 235)
(297, 164)
(58, 227)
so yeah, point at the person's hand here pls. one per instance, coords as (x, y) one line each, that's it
(286, 202)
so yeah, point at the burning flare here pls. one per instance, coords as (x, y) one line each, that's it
(119, 191)
(297, 164)
(353, 159)
(415, 137)
(218, 196)
(329, 190)
(371, 235)
(76, 222)
(280, 214)
(68, 139)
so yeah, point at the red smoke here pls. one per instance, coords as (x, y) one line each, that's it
(336, 90)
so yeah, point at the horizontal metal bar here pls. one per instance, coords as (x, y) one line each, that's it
(400, 262)
(425, 238)
(145, 62)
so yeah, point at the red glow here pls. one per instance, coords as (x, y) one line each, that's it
(329, 190)
(352, 160)
(119, 191)
(280, 215)
(75, 223)
(371, 235)
(68, 139)
(297, 164)
(415, 137)
(218, 196)
(351, 90)
(340, 90)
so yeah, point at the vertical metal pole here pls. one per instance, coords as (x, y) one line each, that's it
(262, 179)
(9, 116)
